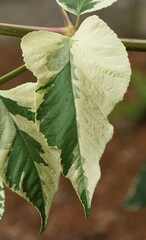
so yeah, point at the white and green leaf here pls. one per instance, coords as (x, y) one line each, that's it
(27, 165)
(2, 200)
(75, 94)
(79, 7)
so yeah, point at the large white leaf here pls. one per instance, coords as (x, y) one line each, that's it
(27, 165)
(76, 93)
(79, 7)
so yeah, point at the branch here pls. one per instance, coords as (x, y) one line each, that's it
(134, 44)
(21, 30)
(12, 74)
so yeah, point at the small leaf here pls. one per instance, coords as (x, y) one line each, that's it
(79, 7)
(2, 200)
(28, 166)
(136, 198)
(76, 93)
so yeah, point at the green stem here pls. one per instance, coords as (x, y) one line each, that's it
(134, 44)
(12, 74)
(20, 30)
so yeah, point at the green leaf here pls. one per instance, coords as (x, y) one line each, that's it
(136, 198)
(79, 7)
(80, 79)
(2, 200)
(28, 166)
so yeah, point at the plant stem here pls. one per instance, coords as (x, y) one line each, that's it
(12, 74)
(67, 19)
(21, 30)
(134, 44)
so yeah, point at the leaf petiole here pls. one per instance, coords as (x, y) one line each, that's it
(67, 19)
(77, 22)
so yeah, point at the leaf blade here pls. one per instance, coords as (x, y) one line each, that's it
(65, 138)
(94, 76)
(29, 167)
(83, 6)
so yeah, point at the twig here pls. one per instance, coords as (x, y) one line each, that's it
(12, 74)
(20, 30)
(134, 44)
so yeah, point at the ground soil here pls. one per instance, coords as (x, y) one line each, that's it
(123, 158)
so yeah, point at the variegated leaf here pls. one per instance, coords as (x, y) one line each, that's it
(2, 200)
(27, 165)
(80, 79)
(79, 7)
